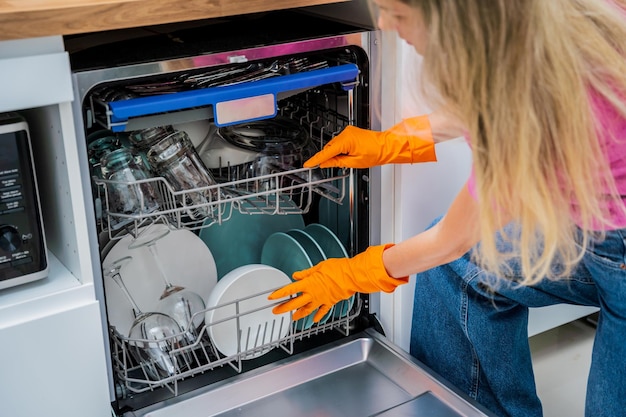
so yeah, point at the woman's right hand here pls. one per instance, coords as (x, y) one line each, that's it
(407, 142)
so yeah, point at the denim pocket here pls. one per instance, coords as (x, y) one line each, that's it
(610, 252)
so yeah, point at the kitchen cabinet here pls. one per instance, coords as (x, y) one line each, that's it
(53, 353)
(45, 375)
(36, 18)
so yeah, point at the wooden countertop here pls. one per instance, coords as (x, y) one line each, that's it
(33, 18)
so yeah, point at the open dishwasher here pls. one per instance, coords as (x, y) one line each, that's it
(193, 138)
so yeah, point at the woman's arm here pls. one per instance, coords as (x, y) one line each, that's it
(453, 236)
(445, 127)
(382, 267)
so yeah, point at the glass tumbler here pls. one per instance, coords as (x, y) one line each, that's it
(126, 195)
(142, 140)
(97, 149)
(175, 159)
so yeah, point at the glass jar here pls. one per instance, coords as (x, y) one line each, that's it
(175, 158)
(97, 149)
(125, 193)
(143, 139)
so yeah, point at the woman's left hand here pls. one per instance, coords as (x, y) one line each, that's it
(330, 281)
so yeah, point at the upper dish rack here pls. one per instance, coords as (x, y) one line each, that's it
(289, 192)
(281, 192)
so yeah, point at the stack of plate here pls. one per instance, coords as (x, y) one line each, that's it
(296, 250)
(239, 316)
(238, 305)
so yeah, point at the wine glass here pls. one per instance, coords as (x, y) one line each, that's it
(176, 301)
(153, 335)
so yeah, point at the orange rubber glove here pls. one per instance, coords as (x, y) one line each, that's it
(409, 141)
(333, 280)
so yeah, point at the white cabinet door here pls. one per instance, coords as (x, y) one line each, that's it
(53, 357)
(54, 366)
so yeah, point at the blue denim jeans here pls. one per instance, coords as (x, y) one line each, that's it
(478, 339)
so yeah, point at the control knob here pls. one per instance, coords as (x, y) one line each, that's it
(10, 239)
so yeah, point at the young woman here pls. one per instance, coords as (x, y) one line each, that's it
(538, 89)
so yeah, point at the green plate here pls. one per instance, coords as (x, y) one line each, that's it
(327, 240)
(310, 246)
(332, 248)
(283, 252)
(313, 249)
(286, 254)
(336, 216)
(239, 240)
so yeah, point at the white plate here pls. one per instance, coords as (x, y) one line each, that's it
(257, 323)
(186, 260)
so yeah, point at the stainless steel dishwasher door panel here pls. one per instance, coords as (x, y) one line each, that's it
(361, 375)
(359, 390)
(427, 405)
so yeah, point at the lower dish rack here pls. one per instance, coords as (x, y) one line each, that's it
(173, 359)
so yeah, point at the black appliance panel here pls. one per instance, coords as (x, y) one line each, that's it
(23, 255)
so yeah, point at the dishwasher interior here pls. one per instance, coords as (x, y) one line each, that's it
(194, 136)
(233, 181)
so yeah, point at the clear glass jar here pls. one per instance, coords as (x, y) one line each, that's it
(143, 139)
(175, 159)
(97, 149)
(125, 193)
(140, 141)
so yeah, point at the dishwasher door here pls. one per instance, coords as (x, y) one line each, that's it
(362, 375)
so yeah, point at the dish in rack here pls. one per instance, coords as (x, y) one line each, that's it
(239, 317)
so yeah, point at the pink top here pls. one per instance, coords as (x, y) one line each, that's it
(612, 134)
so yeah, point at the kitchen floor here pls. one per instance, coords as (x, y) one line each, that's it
(561, 359)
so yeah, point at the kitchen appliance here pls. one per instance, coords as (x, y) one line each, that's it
(23, 255)
(318, 73)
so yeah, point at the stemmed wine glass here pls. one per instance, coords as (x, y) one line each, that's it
(153, 335)
(176, 301)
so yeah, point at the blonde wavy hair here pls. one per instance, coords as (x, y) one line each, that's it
(518, 74)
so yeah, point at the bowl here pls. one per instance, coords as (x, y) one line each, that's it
(256, 149)
(218, 154)
(197, 130)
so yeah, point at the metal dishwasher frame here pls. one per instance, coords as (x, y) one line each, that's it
(86, 81)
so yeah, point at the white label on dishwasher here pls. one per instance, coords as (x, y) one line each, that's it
(244, 109)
